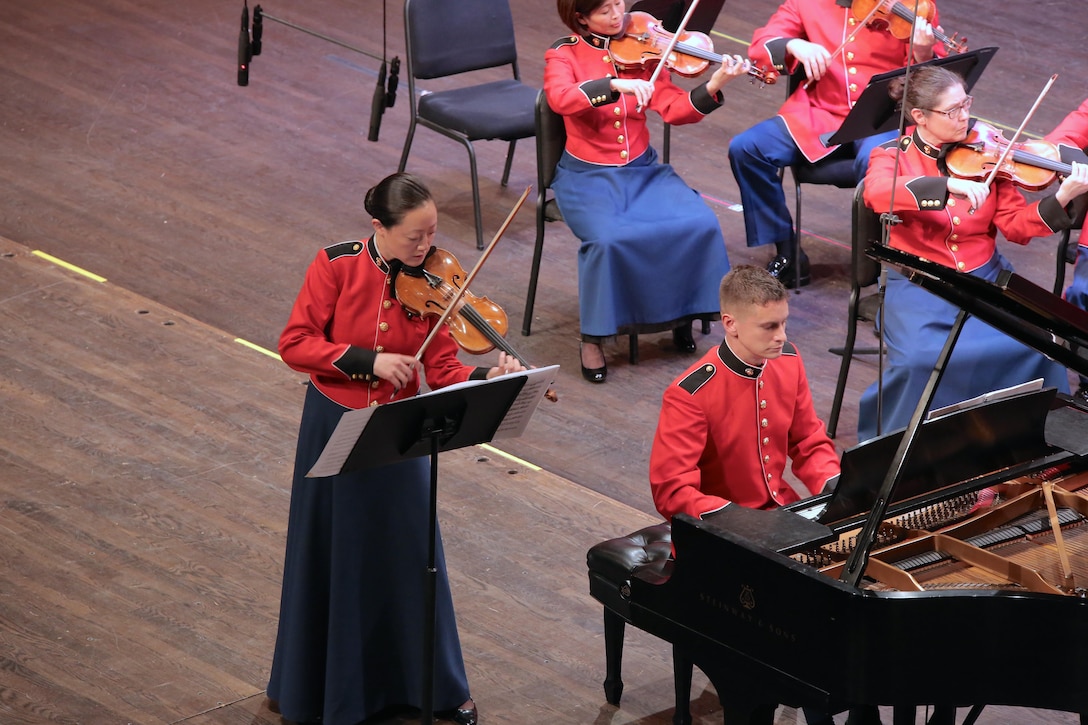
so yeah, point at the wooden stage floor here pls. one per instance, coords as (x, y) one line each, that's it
(148, 437)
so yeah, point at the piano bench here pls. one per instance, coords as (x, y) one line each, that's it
(646, 554)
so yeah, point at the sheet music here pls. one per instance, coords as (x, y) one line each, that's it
(517, 418)
(1001, 394)
(341, 443)
(353, 422)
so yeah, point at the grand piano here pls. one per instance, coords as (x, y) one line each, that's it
(947, 568)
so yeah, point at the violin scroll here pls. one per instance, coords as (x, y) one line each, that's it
(899, 20)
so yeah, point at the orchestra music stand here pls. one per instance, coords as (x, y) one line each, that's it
(671, 12)
(875, 111)
(444, 420)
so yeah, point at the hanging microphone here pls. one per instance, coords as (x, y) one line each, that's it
(244, 54)
(394, 79)
(258, 30)
(377, 105)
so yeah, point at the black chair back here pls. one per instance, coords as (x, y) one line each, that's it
(551, 137)
(446, 38)
(866, 232)
(1064, 254)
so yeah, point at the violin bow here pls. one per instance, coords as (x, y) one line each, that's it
(472, 275)
(1016, 136)
(672, 44)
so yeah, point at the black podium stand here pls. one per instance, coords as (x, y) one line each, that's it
(444, 420)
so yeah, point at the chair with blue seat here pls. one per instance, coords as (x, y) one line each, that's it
(445, 39)
(551, 139)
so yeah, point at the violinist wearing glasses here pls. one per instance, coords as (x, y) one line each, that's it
(1073, 132)
(839, 55)
(652, 252)
(954, 222)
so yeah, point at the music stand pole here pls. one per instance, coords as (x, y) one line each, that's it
(443, 420)
(431, 586)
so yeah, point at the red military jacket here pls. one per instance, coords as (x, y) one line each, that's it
(345, 314)
(605, 127)
(940, 227)
(821, 107)
(1073, 130)
(726, 429)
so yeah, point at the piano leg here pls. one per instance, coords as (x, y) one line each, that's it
(681, 677)
(907, 715)
(946, 715)
(613, 656)
(976, 710)
(748, 714)
(866, 715)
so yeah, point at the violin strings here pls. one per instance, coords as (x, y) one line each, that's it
(902, 11)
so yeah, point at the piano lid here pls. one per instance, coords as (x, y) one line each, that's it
(1023, 310)
(954, 448)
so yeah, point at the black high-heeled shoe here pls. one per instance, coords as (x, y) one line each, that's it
(682, 339)
(593, 375)
(460, 715)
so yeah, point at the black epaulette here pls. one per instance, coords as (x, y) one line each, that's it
(344, 249)
(788, 348)
(565, 40)
(697, 378)
(903, 143)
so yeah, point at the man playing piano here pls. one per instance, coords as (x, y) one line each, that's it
(730, 422)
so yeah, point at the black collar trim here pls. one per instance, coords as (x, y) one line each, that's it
(738, 366)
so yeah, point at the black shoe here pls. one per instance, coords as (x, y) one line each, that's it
(1081, 396)
(682, 339)
(593, 375)
(459, 715)
(783, 269)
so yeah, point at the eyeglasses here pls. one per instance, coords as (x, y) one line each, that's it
(952, 113)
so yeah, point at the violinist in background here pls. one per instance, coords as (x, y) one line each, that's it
(953, 222)
(805, 33)
(652, 251)
(350, 640)
(1073, 132)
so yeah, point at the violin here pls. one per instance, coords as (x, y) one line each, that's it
(476, 324)
(899, 20)
(645, 41)
(1032, 164)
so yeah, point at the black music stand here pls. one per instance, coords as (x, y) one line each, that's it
(671, 12)
(875, 111)
(444, 420)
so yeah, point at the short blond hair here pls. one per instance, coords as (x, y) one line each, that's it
(747, 285)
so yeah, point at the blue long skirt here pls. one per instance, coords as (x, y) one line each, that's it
(916, 326)
(652, 254)
(350, 639)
